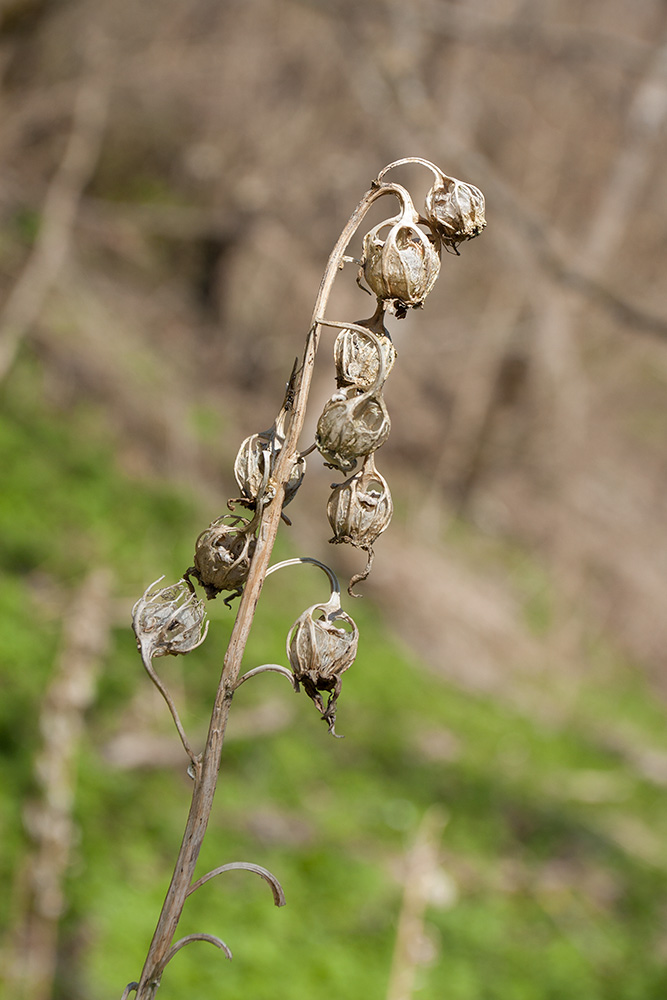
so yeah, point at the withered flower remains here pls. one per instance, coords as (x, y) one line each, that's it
(359, 510)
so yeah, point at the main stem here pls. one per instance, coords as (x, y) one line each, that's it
(206, 770)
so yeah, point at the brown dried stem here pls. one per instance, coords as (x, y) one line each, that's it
(205, 771)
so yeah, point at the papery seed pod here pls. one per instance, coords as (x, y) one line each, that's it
(320, 651)
(350, 427)
(222, 556)
(359, 510)
(455, 210)
(404, 265)
(252, 466)
(169, 621)
(358, 358)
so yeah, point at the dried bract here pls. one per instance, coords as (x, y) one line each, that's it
(455, 210)
(320, 651)
(350, 427)
(222, 555)
(169, 621)
(359, 358)
(404, 265)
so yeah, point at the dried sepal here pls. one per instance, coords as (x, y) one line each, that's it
(223, 553)
(351, 426)
(320, 650)
(169, 620)
(402, 266)
(455, 210)
(363, 358)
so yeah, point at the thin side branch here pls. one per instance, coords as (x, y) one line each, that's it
(276, 888)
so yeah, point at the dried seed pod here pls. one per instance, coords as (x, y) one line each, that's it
(359, 510)
(359, 357)
(169, 621)
(455, 210)
(252, 466)
(351, 426)
(404, 265)
(223, 553)
(320, 651)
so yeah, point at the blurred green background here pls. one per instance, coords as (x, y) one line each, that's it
(173, 177)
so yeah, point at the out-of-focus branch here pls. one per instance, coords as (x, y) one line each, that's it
(24, 303)
(421, 867)
(40, 898)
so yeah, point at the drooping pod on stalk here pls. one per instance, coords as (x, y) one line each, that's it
(454, 209)
(402, 266)
(223, 553)
(358, 357)
(321, 645)
(359, 510)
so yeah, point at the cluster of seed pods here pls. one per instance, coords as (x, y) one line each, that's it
(400, 262)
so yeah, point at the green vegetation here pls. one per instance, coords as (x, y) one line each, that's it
(553, 856)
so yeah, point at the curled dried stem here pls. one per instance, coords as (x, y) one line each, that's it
(211, 938)
(269, 877)
(164, 691)
(266, 668)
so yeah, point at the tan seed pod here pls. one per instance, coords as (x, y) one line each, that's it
(404, 265)
(320, 651)
(350, 427)
(223, 553)
(169, 620)
(358, 358)
(455, 210)
(360, 509)
(252, 466)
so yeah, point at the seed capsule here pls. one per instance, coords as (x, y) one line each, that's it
(455, 210)
(351, 426)
(320, 651)
(404, 266)
(223, 553)
(359, 358)
(169, 621)
(254, 466)
(359, 510)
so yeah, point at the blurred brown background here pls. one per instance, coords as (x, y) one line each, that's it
(172, 177)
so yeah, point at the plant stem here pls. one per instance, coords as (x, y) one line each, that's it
(206, 770)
